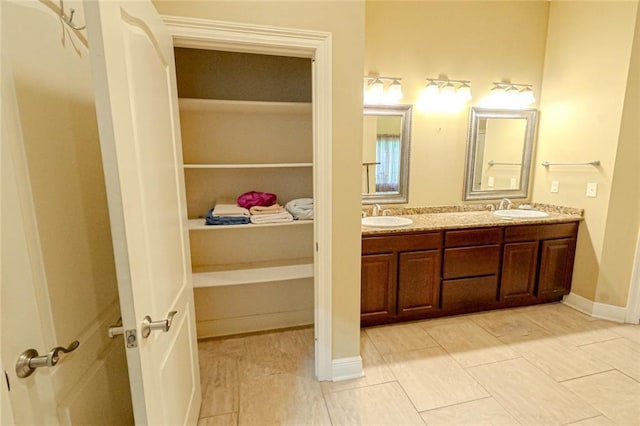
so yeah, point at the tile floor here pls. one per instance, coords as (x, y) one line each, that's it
(538, 365)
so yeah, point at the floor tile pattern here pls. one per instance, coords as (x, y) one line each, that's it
(537, 365)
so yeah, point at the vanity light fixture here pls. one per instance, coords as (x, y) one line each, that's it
(511, 94)
(442, 94)
(375, 93)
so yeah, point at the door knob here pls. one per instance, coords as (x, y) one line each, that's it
(148, 325)
(29, 360)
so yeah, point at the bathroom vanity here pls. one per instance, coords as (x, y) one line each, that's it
(453, 263)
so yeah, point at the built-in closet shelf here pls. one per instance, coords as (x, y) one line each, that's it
(248, 166)
(245, 107)
(252, 273)
(200, 225)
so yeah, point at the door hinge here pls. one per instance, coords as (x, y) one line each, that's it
(6, 376)
(131, 338)
(316, 246)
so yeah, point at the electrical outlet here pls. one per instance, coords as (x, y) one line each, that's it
(592, 189)
(513, 184)
(490, 182)
(555, 186)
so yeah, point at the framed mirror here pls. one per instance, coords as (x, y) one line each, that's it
(385, 154)
(499, 151)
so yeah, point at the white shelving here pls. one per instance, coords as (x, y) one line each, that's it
(242, 274)
(256, 107)
(200, 225)
(248, 276)
(248, 166)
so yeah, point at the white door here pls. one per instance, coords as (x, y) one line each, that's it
(136, 102)
(57, 281)
(32, 400)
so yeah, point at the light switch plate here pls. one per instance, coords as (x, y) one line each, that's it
(592, 189)
(490, 182)
(513, 184)
(555, 186)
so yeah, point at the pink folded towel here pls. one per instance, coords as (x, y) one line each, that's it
(274, 209)
(255, 198)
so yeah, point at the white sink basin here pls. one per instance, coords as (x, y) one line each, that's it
(386, 221)
(520, 214)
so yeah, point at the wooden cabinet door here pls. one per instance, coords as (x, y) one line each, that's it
(378, 288)
(418, 282)
(556, 266)
(519, 264)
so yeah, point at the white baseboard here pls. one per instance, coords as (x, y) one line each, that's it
(347, 368)
(578, 303)
(253, 323)
(595, 309)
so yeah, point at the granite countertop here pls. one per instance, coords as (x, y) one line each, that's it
(470, 216)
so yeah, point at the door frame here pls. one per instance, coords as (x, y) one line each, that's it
(633, 300)
(316, 45)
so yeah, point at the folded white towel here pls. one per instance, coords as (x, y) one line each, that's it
(276, 208)
(229, 208)
(272, 218)
(301, 208)
(302, 202)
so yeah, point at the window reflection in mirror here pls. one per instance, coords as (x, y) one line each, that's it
(385, 154)
(499, 151)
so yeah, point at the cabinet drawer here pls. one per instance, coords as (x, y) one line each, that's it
(468, 292)
(407, 242)
(472, 237)
(471, 261)
(540, 232)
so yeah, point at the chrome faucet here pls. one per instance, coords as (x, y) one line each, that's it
(502, 204)
(376, 210)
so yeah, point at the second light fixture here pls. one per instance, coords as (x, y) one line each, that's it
(375, 92)
(442, 89)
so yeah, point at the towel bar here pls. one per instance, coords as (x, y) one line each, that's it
(594, 163)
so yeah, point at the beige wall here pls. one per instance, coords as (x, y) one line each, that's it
(585, 79)
(478, 41)
(345, 20)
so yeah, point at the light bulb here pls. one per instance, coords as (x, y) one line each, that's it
(512, 95)
(375, 92)
(498, 95)
(394, 93)
(526, 96)
(431, 90)
(377, 87)
(464, 92)
(448, 90)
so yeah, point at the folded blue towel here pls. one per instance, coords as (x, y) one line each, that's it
(225, 220)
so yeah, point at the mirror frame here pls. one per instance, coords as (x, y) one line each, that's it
(404, 111)
(477, 114)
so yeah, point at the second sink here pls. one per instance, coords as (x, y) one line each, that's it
(520, 214)
(386, 221)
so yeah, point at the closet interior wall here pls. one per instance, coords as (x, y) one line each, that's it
(246, 123)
